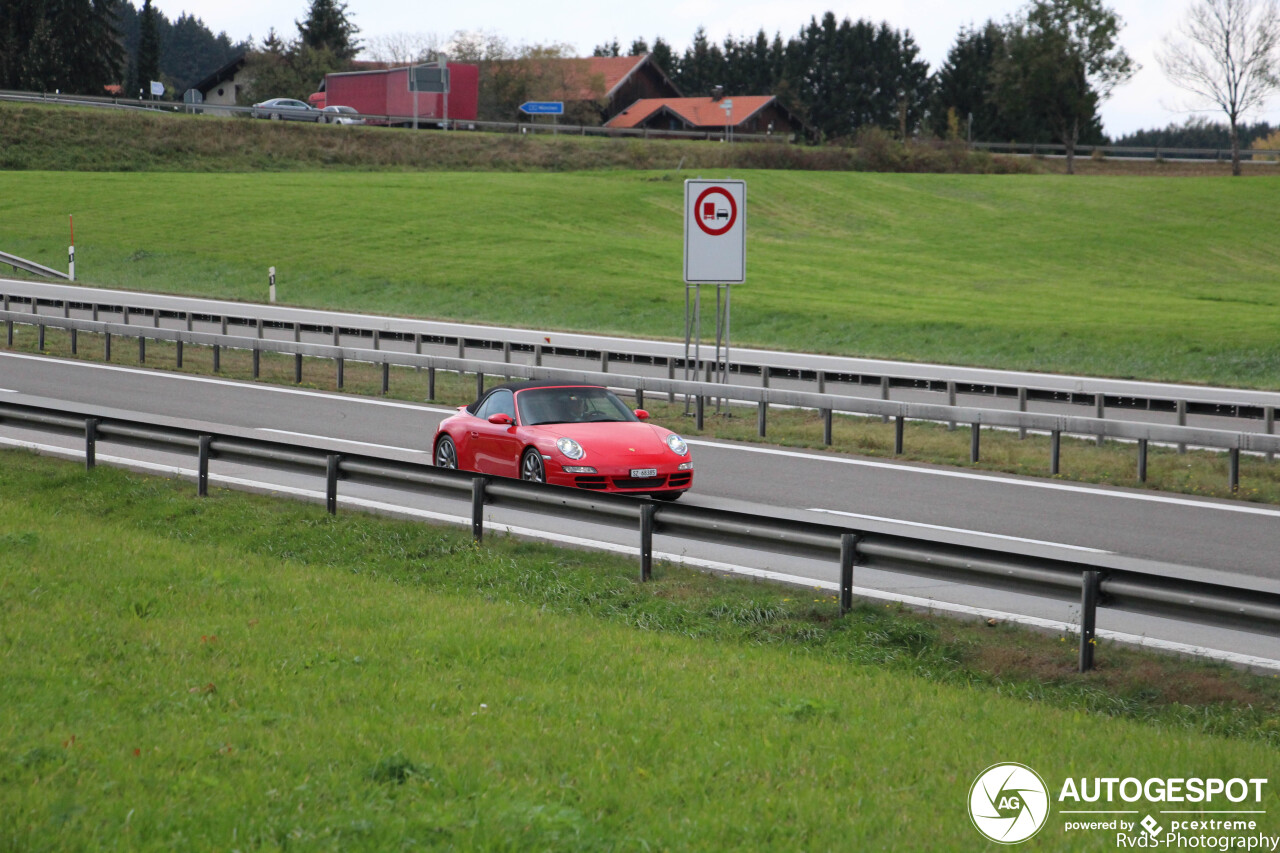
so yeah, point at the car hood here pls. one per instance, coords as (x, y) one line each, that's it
(614, 437)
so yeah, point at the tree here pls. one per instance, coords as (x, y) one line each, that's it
(147, 65)
(665, 58)
(1228, 54)
(609, 48)
(1061, 61)
(963, 84)
(404, 48)
(328, 27)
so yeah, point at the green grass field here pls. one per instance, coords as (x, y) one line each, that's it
(248, 673)
(1111, 276)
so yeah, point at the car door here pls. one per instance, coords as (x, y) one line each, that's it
(495, 448)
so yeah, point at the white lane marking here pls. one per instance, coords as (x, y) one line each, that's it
(930, 604)
(992, 478)
(345, 441)
(866, 463)
(230, 382)
(959, 530)
(9, 391)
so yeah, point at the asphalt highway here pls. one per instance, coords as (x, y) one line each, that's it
(1173, 531)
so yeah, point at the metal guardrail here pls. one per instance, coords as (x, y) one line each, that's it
(1085, 393)
(1096, 580)
(395, 120)
(1149, 152)
(700, 392)
(31, 266)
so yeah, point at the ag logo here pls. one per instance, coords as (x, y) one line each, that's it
(1008, 803)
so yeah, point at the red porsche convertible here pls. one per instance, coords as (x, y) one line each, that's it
(567, 435)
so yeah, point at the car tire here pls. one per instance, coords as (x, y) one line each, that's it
(446, 455)
(274, 116)
(666, 497)
(531, 468)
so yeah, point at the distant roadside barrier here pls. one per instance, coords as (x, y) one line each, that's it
(1095, 580)
(1127, 152)
(701, 393)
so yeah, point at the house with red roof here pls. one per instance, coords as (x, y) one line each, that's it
(592, 88)
(756, 114)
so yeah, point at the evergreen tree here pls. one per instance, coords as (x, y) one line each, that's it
(147, 65)
(328, 27)
(639, 47)
(701, 67)
(962, 86)
(665, 58)
(611, 48)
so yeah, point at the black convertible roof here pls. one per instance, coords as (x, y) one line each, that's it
(527, 384)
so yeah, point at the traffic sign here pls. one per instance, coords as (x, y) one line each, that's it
(715, 232)
(546, 108)
(433, 77)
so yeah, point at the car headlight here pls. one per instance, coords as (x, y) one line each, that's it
(677, 445)
(570, 448)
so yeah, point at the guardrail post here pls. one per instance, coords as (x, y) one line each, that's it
(377, 339)
(386, 378)
(826, 427)
(899, 424)
(257, 361)
(202, 476)
(1269, 422)
(142, 350)
(431, 383)
(479, 384)
(477, 509)
(604, 361)
(639, 398)
(259, 327)
(462, 347)
(341, 365)
(1055, 451)
(1142, 460)
(762, 418)
(848, 557)
(90, 443)
(297, 369)
(217, 359)
(698, 410)
(106, 346)
(75, 342)
(1022, 407)
(8, 325)
(537, 355)
(1233, 469)
(975, 442)
(331, 483)
(39, 337)
(1182, 421)
(646, 541)
(671, 375)
(1100, 409)
(884, 395)
(1088, 618)
(178, 353)
(951, 401)
(337, 335)
(822, 382)
(124, 315)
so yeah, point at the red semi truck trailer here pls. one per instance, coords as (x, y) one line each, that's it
(386, 93)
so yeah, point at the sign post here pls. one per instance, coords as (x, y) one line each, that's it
(715, 252)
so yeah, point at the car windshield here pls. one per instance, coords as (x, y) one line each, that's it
(571, 406)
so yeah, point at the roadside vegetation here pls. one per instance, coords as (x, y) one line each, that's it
(1195, 472)
(1119, 277)
(248, 672)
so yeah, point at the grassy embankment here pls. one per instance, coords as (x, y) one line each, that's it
(242, 672)
(1164, 280)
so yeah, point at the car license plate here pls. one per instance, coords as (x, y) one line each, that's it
(640, 473)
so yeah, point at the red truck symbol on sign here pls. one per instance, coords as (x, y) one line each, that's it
(709, 212)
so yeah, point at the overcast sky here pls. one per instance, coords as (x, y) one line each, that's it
(1146, 101)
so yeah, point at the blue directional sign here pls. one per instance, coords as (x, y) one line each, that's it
(546, 108)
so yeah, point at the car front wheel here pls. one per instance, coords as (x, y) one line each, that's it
(446, 453)
(531, 467)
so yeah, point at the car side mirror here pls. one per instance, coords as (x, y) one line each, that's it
(501, 418)
(642, 414)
